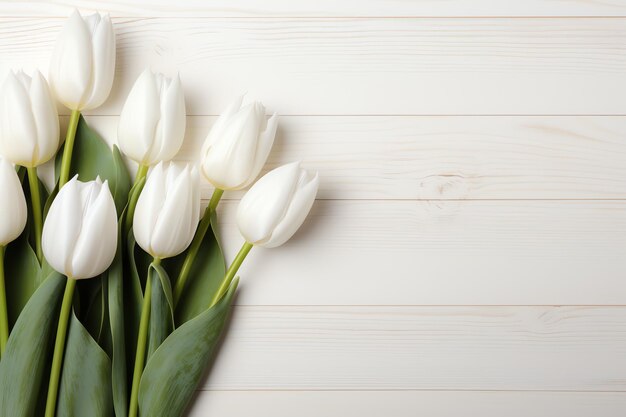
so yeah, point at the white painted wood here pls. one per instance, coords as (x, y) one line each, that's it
(363, 66)
(407, 404)
(486, 157)
(441, 252)
(327, 8)
(423, 348)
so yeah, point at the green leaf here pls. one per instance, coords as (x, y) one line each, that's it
(204, 279)
(176, 368)
(85, 388)
(115, 278)
(161, 308)
(24, 363)
(92, 157)
(23, 275)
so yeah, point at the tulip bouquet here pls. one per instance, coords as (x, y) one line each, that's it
(113, 292)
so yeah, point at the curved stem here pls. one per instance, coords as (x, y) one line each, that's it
(69, 147)
(35, 196)
(59, 348)
(4, 319)
(142, 171)
(195, 245)
(230, 274)
(142, 340)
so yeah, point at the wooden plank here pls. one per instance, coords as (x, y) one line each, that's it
(423, 348)
(413, 157)
(325, 8)
(390, 66)
(441, 252)
(407, 404)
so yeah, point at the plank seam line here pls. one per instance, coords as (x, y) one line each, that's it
(402, 115)
(426, 305)
(408, 390)
(336, 17)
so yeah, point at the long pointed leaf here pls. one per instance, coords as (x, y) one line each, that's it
(176, 368)
(162, 308)
(23, 365)
(85, 388)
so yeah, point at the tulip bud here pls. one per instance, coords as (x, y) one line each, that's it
(152, 123)
(12, 204)
(238, 146)
(276, 206)
(168, 210)
(29, 124)
(83, 61)
(80, 233)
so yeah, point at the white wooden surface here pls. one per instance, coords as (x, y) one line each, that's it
(467, 254)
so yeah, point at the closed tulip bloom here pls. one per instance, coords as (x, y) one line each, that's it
(277, 205)
(80, 232)
(238, 145)
(29, 124)
(168, 210)
(83, 61)
(152, 123)
(12, 204)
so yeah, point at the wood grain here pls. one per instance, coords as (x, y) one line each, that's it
(326, 8)
(423, 348)
(442, 158)
(363, 66)
(441, 252)
(407, 404)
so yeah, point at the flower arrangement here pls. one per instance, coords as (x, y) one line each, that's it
(113, 292)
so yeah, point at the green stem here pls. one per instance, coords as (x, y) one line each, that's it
(59, 348)
(33, 182)
(142, 340)
(230, 274)
(195, 245)
(142, 171)
(66, 163)
(4, 319)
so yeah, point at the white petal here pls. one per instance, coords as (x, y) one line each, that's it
(148, 207)
(46, 119)
(97, 243)
(265, 204)
(18, 133)
(221, 122)
(297, 212)
(103, 41)
(12, 204)
(264, 146)
(230, 159)
(62, 227)
(171, 232)
(71, 63)
(173, 121)
(139, 118)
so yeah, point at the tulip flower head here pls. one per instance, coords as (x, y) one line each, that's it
(12, 204)
(277, 205)
(168, 210)
(29, 124)
(83, 61)
(152, 123)
(238, 145)
(80, 232)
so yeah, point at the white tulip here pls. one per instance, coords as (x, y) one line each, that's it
(168, 210)
(238, 145)
(276, 206)
(12, 204)
(83, 61)
(80, 233)
(152, 123)
(29, 124)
